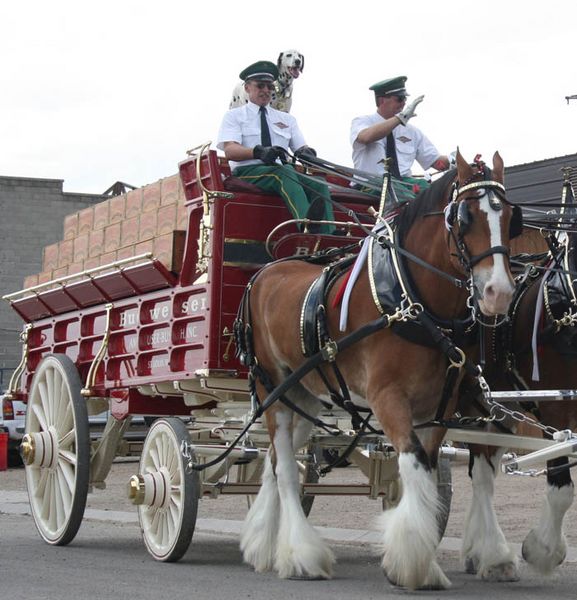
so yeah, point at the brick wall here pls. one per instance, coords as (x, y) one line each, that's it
(46, 234)
(32, 213)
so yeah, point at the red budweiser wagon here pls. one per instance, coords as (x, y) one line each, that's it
(150, 333)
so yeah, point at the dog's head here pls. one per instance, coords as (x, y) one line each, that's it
(290, 64)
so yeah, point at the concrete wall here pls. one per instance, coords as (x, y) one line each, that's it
(32, 214)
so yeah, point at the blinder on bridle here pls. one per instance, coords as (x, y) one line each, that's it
(460, 215)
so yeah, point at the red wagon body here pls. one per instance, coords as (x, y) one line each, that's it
(137, 331)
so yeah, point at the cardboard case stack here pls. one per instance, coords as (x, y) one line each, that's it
(152, 218)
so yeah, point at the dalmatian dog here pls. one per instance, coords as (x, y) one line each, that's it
(290, 65)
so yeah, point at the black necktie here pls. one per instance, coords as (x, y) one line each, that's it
(264, 130)
(392, 155)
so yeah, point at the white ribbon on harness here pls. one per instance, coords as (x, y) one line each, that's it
(359, 263)
(447, 210)
(538, 310)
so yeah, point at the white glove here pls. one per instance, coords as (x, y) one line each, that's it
(409, 111)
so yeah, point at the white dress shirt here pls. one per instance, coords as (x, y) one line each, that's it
(242, 125)
(411, 144)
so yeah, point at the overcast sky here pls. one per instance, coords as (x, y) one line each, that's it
(95, 92)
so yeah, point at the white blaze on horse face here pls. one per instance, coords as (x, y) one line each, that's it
(494, 284)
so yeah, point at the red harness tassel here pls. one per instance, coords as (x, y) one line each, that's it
(341, 292)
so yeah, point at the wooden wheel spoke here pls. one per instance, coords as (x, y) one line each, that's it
(60, 510)
(45, 402)
(42, 481)
(66, 473)
(38, 412)
(49, 392)
(67, 439)
(68, 456)
(46, 499)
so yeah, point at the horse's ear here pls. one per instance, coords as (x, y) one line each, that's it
(498, 167)
(463, 168)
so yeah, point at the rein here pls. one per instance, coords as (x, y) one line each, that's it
(328, 352)
(311, 363)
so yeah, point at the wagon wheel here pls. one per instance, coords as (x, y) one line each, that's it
(56, 450)
(166, 494)
(444, 489)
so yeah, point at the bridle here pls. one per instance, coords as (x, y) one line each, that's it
(457, 217)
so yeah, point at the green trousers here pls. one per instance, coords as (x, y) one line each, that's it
(406, 188)
(298, 191)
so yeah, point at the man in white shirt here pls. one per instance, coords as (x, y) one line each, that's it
(387, 134)
(254, 138)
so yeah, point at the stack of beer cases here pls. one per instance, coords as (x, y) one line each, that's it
(152, 218)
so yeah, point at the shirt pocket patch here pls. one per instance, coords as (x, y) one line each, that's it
(250, 135)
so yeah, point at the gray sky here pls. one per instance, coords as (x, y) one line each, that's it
(95, 92)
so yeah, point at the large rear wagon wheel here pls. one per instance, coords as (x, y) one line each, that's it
(56, 450)
(169, 495)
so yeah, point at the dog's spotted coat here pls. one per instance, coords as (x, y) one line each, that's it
(290, 65)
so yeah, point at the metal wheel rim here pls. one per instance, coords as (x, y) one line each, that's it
(56, 492)
(161, 525)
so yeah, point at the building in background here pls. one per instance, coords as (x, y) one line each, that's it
(32, 214)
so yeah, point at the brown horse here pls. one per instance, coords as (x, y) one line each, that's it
(527, 359)
(463, 236)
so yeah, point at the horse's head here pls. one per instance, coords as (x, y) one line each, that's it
(480, 221)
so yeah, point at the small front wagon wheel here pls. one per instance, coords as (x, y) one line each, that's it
(56, 450)
(166, 494)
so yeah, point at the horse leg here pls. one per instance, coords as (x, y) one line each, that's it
(276, 533)
(258, 538)
(545, 547)
(410, 530)
(485, 550)
(300, 552)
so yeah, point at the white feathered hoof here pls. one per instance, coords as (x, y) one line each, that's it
(435, 580)
(502, 572)
(310, 559)
(542, 557)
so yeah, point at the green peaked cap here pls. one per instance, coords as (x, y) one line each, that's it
(395, 85)
(263, 70)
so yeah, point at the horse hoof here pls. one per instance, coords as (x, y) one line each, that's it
(441, 584)
(541, 557)
(391, 580)
(503, 572)
(471, 565)
(307, 578)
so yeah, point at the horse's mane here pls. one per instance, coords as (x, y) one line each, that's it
(425, 203)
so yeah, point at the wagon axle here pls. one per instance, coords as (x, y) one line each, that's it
(39, 449)
(151, 489)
